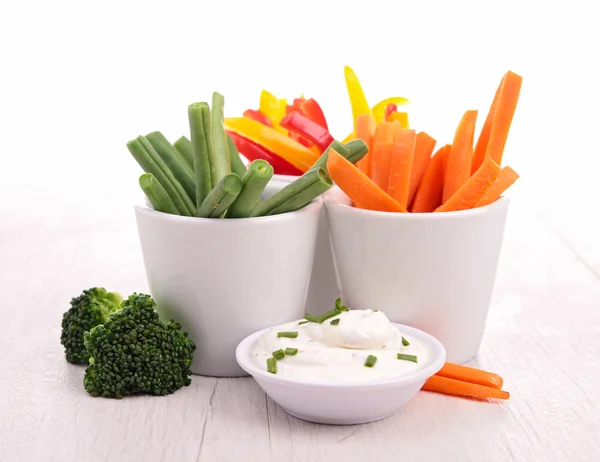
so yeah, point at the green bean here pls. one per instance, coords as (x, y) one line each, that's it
(184, 146)
(295, 195)
(254, 182)
(156, 194)
(237, 166)
(358, 150)
(145, 155)
(219, 162)
(221, 197)
(339, 148)
(199, 118)
(172, 158)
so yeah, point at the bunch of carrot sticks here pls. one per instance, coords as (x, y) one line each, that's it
(399, 173)
(454, 379)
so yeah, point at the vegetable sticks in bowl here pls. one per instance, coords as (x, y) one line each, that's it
(399, 173)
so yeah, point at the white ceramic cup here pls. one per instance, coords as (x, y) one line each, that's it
(433, 271)
(225, 279)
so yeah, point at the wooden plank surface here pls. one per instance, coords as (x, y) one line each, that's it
(542, 336)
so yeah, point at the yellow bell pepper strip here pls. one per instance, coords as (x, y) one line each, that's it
(273, 108)
(273, 141)
(379, 109)
(358, 100)
(401, 117)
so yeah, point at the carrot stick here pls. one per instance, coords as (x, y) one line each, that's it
(401, 166)
(383, 144)
(505, 179)
(459, 388)
(494, 133)
(365, 130)
(469, 195)
(358, 186)
(423, 149)
(471, 375)
(458, 168)
(430, 191)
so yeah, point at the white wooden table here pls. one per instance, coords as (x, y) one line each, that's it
(542, 337)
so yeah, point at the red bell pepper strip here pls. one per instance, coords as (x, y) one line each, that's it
(302, 125)
(258, 116)
(311, 109)
(389, 109)
(252, 151)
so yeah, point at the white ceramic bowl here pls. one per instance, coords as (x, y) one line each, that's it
(224, 279)
(432, 271)
(346, 403)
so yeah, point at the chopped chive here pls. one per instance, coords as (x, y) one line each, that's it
(279, 354)
(371, 360)
(291, 351)
(326, 316)
(272, 365)
(287, 334)
(339, 307)
(303, 322)
(311, 317)
(405, 342)
(335, 322)
(376, 311)
(412, 358)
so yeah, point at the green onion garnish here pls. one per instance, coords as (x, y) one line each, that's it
(371, 360)
(279, 354)
(287, 334)
(335, 322)
(326, 316)
(272, 365)
(311, 317)
(412, 358)
(303, 322)
(339, 307)
(405, 342)
(291, 351)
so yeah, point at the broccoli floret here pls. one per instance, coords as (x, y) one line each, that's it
(88, 310)
(134, 352)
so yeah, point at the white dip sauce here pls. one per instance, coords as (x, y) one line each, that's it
(337, 353)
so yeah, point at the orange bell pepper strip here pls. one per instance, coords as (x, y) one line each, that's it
(378, 111)
(274, 109)
(401, 117)
(281, 145)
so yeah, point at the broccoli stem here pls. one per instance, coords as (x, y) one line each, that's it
(237, 166)
(156, 194)
(254, 182)
(145, 155)
(221, 197)
(199, 119)
(172, 158)
(295, 195)
(219, 162)
(184, 147)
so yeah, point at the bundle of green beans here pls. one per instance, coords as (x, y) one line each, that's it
(204, 176)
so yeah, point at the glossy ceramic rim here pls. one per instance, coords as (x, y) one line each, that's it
(244, 348)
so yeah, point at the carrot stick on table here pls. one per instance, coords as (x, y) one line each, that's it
(431, 188)
(365, 130)
(383, 144)
(458, 167)
(471, 375)
(358, 186)
(423, 149)
(459, 388)
(506, 178)
(469, 195)
(401, 166)
(494, 133)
